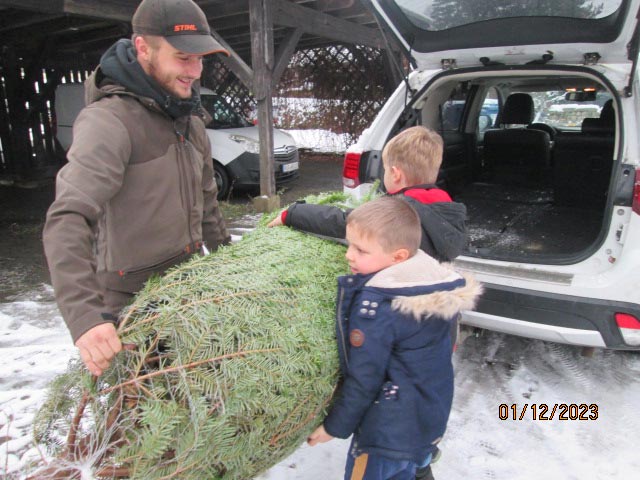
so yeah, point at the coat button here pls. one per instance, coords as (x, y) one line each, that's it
(374, 304)
(363, 310)
(372, 312)
(365, 302)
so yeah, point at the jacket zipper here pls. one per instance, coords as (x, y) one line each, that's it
(185, 181)
(340, 326)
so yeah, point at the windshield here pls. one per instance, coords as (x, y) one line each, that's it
(436, 15)
(223, 114)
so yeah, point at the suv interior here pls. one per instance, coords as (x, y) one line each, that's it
(535, 174)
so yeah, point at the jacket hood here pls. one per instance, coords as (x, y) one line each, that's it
(423, 287)
(444, 230)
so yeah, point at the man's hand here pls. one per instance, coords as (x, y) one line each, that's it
(276, 222)
(319, 436)
(98, 346)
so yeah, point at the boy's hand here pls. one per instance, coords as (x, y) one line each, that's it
(319, 436)
(276, 222)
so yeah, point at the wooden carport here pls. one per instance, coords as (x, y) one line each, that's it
(46, 38)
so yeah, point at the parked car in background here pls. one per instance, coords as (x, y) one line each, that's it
(234, 141)
(538, 105)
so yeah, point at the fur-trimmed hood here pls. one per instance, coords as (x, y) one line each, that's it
(424, 288)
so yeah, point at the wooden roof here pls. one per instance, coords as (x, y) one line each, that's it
(88, 27)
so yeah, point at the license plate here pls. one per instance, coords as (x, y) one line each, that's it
(290, 167)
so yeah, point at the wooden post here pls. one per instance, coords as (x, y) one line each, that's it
(262, 58)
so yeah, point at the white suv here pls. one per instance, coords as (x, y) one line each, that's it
(234, 141)
(538, 110)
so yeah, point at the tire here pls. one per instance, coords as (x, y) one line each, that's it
(222, 180)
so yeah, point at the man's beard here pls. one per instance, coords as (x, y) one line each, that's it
(166, 82)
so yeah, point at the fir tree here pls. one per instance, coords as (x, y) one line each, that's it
(235, 364)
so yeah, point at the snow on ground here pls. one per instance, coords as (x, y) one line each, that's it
(491, 370)
(320, 141)
(34, 347)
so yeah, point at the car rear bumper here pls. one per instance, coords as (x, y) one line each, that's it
(546, 316)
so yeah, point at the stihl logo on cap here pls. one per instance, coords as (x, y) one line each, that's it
(184, 28)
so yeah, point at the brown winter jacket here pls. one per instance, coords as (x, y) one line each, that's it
(135, 198)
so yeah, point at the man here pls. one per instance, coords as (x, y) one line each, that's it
(137, 195)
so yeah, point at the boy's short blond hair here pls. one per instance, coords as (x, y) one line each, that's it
(417, 151)
(391, 221)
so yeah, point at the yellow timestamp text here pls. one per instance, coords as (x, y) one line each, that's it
(545, 412)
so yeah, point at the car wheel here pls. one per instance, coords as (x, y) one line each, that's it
(222, 180)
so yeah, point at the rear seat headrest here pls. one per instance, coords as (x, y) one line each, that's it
(604, 125)
(518, 109)
(607, 115)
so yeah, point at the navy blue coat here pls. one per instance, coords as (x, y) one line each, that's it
(394, 343)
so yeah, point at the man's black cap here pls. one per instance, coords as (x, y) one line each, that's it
(181, 22)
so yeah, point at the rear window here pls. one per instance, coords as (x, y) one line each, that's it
(434, 15)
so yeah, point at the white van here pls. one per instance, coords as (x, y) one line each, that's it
(234, 141)
(537, 103)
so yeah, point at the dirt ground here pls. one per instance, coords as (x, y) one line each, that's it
(318, 173)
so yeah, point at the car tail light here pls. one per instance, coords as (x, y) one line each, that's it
(636, 193)
(629, 328)
(351, 169)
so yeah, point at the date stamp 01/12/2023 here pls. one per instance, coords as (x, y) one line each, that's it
(543, 411)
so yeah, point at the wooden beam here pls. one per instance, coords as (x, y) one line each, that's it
(323, 25)
(285, 51)
(50, 6)
(235, 63)
(120, 10)
(28, 21)
(262, 59)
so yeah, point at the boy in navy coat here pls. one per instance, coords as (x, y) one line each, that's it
(394, 343)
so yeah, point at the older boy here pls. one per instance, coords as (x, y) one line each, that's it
(394, 343)
(411, 163)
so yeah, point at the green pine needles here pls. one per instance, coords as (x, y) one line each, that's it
(235, 365)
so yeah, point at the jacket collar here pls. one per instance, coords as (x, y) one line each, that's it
(422, 287)
(419, 270)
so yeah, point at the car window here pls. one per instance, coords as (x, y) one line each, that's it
(558, 109)
(452, 110)
(223, 114)
(488, 112)
(435, 15)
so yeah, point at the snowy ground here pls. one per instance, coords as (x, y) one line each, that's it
(320, 140)
(491, 370)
